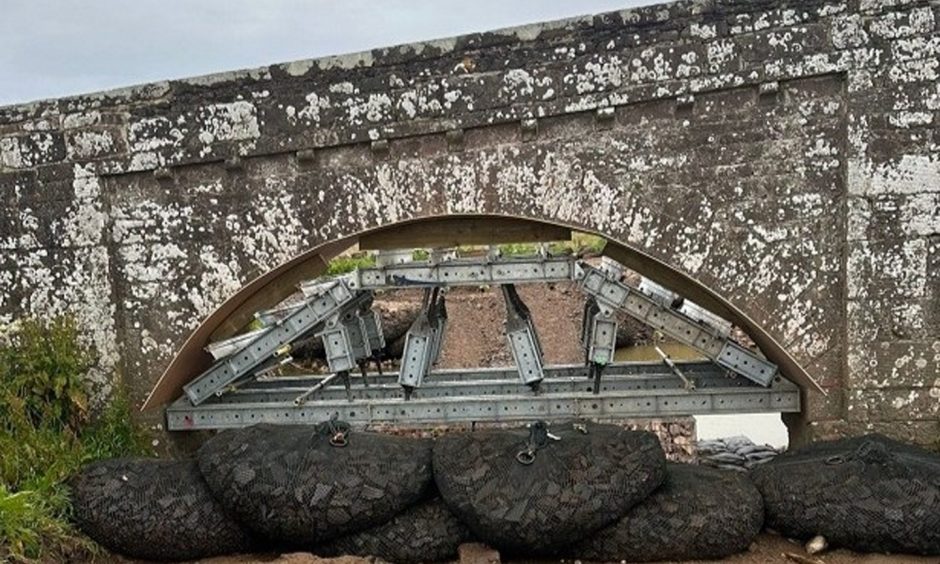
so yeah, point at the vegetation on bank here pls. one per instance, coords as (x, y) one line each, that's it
(579, 243)
(47, 431)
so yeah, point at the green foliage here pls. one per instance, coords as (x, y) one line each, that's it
(588, 242)
(580, 243)
(348, 263)
(46, 434)
(41, 374)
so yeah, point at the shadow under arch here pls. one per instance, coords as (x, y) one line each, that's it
(276, 284)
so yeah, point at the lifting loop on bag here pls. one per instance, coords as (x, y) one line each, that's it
(338, 431)
(538, 439)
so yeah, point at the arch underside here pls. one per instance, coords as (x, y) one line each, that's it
(452, 230)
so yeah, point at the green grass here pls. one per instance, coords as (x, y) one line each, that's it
(47, 433)
(348, 263)
(580, 242)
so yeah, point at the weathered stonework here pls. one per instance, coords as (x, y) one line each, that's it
(784, 154)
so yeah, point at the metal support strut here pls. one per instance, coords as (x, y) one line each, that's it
(709, 340)
(599, 338)
(423, 341)
(300, 322)
(523, 340)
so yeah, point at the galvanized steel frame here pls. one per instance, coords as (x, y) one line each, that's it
(631, 390)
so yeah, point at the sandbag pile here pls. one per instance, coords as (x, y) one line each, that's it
(426, 532)
(869, 493)
(697, 513)
(154, 510)
(581, 491)
(529, 494)
(269, 487)
(734, 453)
(300, 485)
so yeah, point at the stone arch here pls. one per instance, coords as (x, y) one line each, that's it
(741, 213)
(269, 288)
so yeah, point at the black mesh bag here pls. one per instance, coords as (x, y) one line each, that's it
(298, 485)
(697, 513)
(868, 493)
(523, 492)
(153, 509)
(426, 532)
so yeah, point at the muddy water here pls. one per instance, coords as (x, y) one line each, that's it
(676, 351)
(762, 428)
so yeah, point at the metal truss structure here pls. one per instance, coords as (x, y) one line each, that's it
(243, 386)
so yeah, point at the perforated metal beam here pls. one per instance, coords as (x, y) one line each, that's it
(709, 340)
(559, 404)
(300, 322)
(466, 273)
(424, 341)
(523, 340)
(507, 385)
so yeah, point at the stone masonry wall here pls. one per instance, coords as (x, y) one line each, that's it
(784, 154)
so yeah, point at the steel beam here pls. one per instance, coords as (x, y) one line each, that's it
(481, 388)
(709, 340)
(782, 397)
(447, 375)
(466, 273)
(302, 321)
(522, 338)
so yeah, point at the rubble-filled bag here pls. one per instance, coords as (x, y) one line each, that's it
(697, 513)
(537, 500)
(869, 493)
(299, 485)
(153, 509)
(426, 532)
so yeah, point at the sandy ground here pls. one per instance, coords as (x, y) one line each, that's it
(766, 549)
(773, 549)
(476, 335)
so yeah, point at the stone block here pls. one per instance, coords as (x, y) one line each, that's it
(31, 149)
(894, 404)
(923, 433)
(93, 142)
(891, 364)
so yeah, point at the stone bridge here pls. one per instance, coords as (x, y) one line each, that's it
(781, 157)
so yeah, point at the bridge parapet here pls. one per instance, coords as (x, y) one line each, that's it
(783, 154)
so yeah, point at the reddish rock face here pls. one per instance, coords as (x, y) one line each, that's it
(782, 154)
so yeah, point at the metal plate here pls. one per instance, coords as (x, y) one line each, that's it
(738, 359)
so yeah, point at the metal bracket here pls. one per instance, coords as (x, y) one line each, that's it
(523, 340)
(599, 338)
(423, 341)
(375, 338)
